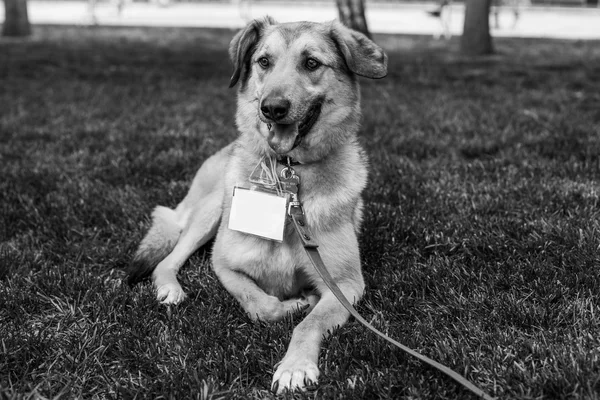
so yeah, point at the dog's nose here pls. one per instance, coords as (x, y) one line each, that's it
(275, 108)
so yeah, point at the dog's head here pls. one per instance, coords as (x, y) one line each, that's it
(298, 85)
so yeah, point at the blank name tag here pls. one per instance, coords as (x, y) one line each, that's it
(258, 213)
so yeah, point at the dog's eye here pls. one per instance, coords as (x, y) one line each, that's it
(312, 64)
(263, 62)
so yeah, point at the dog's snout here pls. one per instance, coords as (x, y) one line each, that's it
(275, 108)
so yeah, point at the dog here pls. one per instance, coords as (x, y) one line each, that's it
(298, 102)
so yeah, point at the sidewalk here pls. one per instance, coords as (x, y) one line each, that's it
(580, 23)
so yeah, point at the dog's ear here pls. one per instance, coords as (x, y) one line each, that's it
(243, 45)
(362, 55)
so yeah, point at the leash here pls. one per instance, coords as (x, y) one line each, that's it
(289, 182)
(296, 213)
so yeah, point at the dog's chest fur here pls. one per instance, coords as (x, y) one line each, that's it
(329, 192)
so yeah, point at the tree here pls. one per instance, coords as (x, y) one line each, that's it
(16, 20)
(476, 39)
(352, 14)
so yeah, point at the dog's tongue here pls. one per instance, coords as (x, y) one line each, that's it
(282, 137)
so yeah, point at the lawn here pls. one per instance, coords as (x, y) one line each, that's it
(481, 244)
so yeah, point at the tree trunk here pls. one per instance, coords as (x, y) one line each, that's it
(16, 20)
(352, 14)
(476, 39)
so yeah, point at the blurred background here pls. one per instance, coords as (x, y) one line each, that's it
(576, 19)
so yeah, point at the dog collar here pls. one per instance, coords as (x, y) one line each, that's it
(288, 161)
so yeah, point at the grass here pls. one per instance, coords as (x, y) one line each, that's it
(481, 245)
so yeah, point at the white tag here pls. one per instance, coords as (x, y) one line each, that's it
(258, 213)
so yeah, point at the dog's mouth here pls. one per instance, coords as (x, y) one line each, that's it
(309, 120)
(283, 138)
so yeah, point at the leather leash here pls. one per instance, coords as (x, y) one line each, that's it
(296, 213)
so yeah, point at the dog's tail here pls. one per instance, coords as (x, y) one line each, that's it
(156, 245)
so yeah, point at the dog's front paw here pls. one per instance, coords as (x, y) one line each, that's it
(170, 293)
(310, 300)
(295, 374)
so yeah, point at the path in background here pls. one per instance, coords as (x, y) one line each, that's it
(571, 23)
